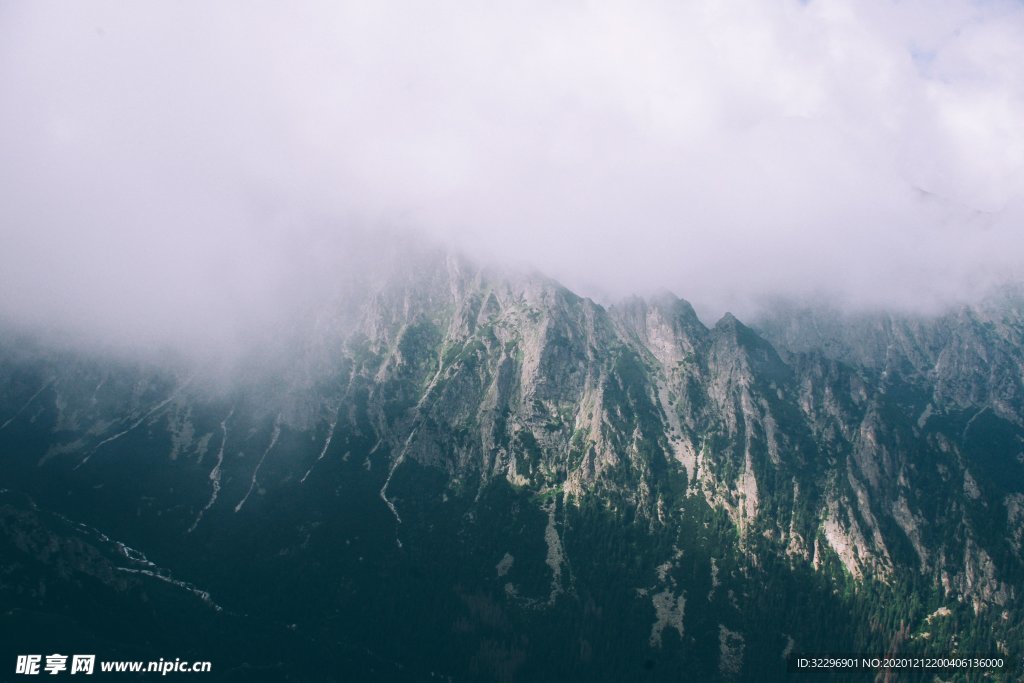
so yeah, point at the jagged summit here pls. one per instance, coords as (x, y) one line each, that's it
(728, 322)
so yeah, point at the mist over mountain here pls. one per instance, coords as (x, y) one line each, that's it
(177, 172)
(345, 341)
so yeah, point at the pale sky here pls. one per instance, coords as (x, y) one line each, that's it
(171, 165)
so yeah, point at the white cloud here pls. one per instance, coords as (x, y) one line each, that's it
(166, 162)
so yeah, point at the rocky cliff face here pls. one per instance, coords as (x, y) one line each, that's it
(450, 405)
(821, 452)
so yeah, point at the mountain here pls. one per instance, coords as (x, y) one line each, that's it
(458, 473)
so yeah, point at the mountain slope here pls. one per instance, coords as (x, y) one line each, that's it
(477, 475)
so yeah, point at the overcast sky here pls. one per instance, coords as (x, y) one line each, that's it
(167, 164)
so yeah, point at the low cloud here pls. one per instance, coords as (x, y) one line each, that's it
(173, 166)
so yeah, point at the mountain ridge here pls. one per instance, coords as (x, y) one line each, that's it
(455, 383)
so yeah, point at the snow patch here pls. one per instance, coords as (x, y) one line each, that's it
(252, 483)
(214, 475)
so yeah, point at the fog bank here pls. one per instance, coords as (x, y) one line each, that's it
(182, 173)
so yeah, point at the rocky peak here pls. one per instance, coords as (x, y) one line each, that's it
(665, 325)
